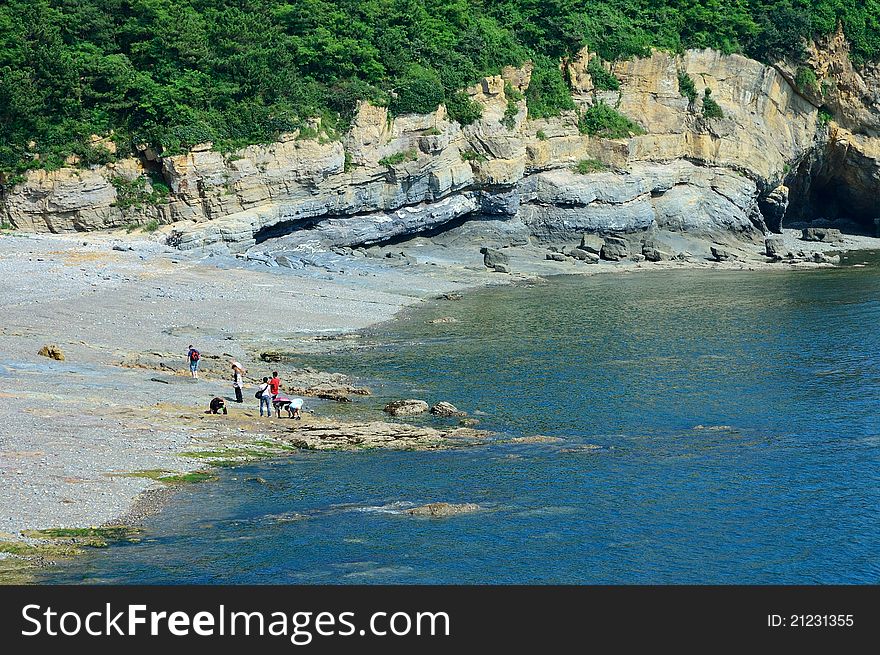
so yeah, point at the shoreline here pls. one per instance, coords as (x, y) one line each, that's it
(102, 302)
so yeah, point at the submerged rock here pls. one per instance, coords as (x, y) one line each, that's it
(52, 352)
(537, 438)
(444, 509)
(409, 407)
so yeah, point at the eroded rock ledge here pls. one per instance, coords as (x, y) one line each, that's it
(389, 179)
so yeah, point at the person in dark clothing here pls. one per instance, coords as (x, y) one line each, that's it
(217, 405)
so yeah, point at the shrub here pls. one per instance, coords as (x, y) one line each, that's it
(805, 80)
(420, 92)
(399, 158)
(548, 94)
(307, 133)
(151, 225)
(462, 109)
(602, 79)
(711, 109)
(510, 112)
(134, 193)
(686, 87)
(606, 122)
(472, 155)
(825, 116)
(585, 166)
(541, 135)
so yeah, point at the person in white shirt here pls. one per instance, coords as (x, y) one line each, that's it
(237, 380)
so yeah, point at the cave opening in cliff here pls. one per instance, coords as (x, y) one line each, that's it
(832, 194)
(283, 228)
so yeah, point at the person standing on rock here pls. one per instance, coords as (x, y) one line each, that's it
(193, 356)
(237, 380)
(275, 384)
(264, 393)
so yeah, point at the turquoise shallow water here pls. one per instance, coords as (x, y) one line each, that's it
(735, 414)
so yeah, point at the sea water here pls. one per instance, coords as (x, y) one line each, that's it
(713, 427)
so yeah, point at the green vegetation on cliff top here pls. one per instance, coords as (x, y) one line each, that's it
(173, 73)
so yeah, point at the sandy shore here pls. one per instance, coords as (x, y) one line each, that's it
(72, 432)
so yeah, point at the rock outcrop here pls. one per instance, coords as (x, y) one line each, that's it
(52, 352)
(444, 408)
(409, 407)
(392, 178)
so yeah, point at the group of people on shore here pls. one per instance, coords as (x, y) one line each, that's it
(268, 393)
(270, 396)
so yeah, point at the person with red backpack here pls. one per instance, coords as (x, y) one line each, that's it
(193, 356)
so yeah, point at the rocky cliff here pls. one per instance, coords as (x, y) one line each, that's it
(778, 153)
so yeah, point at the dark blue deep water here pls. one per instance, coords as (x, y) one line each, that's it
(737, 419)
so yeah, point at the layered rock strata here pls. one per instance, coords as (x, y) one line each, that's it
(392, 178)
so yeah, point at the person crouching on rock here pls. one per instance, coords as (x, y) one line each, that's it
(293, 406)
(217, 405)
(280, 402)
(265, 396)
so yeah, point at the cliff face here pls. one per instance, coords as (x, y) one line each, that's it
(392, 178)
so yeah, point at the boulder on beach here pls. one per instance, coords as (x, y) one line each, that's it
(442, 320)
(655, 251)
(822, 258)
(823, 234)
(774, 247)
(52, 352)
(409, 407)
(592, 243)
(493, 258)
(614, 249)
(584, 255)
(444, 509)
(722, 255)
(446, 409)
(555, 256)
